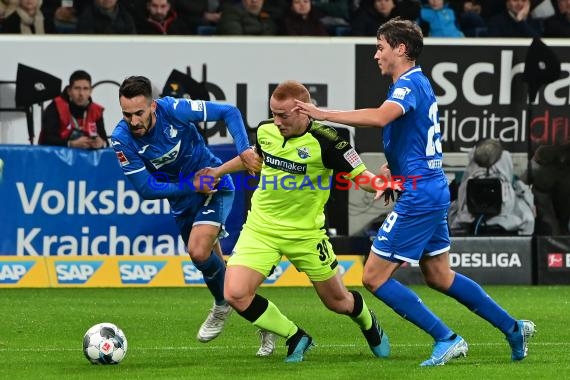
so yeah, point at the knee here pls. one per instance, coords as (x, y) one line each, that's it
(198, 254)
(238, 298)
(440, 281)
(370, 282)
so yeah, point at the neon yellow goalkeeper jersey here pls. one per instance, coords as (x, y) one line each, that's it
(296, 178)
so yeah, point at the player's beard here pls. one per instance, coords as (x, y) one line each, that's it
(145, 126)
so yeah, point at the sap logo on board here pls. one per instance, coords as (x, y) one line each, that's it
(75, 272)
(191, 274)
(139, 272)
(277, 272)
(12, 272)
(344, 266)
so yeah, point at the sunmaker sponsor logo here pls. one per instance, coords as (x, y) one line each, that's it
(285, 165)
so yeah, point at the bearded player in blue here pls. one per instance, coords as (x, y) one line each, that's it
(159, 149)
(416, 230)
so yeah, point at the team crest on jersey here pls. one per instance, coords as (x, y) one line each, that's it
(173, 132)
(303, 152)
(401, 92)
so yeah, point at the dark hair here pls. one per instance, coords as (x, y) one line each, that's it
(397, 31)
(79, 75)
(134, 86)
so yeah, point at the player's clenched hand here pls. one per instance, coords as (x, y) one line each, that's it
(386, 190)
(309, 109)
(385, 171)
(251, 161)
(205, 181)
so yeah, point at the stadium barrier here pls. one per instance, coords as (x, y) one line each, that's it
(553, 260)
(147, 271)
(66, 202)
(66, 222)
(501, 260)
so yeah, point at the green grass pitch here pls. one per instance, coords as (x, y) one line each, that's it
(41, 334)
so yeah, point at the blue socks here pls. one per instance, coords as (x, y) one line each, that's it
(470, 294)
(214, 271)
(408, 305)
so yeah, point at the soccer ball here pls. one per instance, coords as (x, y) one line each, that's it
(105, 343)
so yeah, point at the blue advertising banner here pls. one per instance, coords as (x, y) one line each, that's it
(65, 202)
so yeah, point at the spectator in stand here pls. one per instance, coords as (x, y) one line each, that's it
(408, 9)
(72, 119)
(246, 18)
(27, 18)
(105, 17)
(437, 19)
(63, 15)
(200, 14)
(7, 7)
(161, 18)
(490, 8)
(559, 24)
(276, 8)
(471, 22)
(515, 21)
(335, 14)
(370, 15)
(302, 20)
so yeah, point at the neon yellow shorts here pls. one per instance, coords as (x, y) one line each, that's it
(262, 253)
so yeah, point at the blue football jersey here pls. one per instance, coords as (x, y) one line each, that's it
(174, 150)
(412, 144)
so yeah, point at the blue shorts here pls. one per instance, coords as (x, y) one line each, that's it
(407, 237)
(214, 211)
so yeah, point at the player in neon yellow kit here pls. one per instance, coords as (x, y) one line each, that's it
(286, 218)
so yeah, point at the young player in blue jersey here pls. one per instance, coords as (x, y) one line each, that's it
(159, 149)
(416, 230)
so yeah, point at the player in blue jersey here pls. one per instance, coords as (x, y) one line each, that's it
(159, 149)
(416, 230)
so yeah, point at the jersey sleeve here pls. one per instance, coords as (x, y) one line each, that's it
(148, 185)
(340, 156)
(404, 94)
(188, 110)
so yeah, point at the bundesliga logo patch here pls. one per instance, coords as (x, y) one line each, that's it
(122, 158)
(196, 105)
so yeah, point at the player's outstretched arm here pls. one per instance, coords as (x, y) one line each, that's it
(234, 165)
(366, 117)
(233, 119)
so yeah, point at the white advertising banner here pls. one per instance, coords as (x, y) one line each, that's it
(238, 70)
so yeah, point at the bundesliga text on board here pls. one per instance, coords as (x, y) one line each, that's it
(482, 260)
